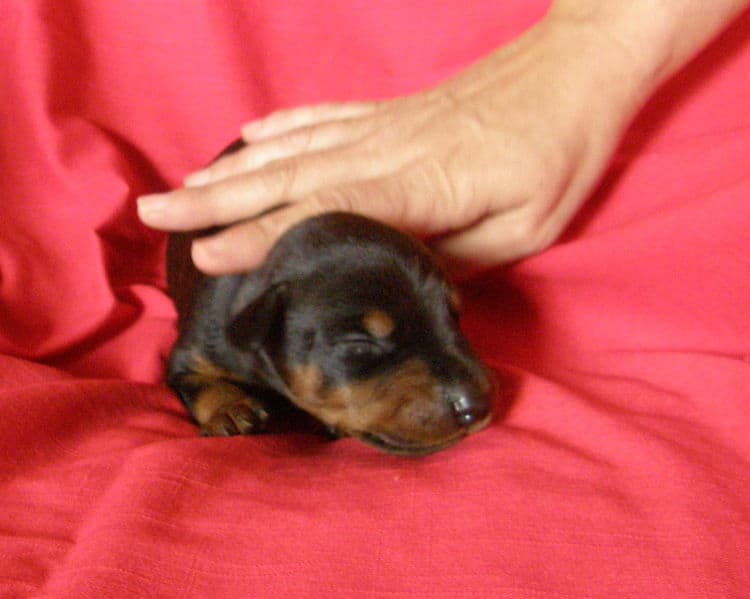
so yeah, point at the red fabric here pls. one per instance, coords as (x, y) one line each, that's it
(622, 466)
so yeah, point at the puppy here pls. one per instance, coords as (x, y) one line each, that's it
(348, 320)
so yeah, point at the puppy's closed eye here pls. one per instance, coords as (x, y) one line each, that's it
(359, 344)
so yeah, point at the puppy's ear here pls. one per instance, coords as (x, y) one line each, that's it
(260, 321)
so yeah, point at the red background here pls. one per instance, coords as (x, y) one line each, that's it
(621, 468)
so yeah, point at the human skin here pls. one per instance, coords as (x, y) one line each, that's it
(488, 167)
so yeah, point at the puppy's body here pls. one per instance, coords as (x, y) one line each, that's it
(347, 319)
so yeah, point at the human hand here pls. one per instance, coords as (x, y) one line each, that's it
(488, 167)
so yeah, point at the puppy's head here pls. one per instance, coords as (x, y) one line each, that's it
(359, 328)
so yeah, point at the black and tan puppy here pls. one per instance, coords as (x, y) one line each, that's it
(349, 320)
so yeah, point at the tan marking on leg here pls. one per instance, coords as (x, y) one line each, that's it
(213, 398)
(204, 373)
(223, 409)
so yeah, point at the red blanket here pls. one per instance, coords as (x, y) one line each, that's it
(623, 465)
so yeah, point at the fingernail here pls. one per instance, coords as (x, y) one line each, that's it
(150, 207)
(197, 178)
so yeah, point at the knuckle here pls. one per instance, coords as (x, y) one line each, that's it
(228, 166)
(277, 183)
(279, 116)
(332, 200)
(526, 235)
(218, 202)
(298, 140)
(519, 236)
(425, 196)
(268, 229)
(442, 184)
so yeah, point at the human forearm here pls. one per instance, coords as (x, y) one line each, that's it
(659, 35)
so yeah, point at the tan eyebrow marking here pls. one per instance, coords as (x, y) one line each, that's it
(378, 323)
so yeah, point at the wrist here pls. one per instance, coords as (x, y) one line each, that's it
(658, 36)
(631, 44)
(606, 84)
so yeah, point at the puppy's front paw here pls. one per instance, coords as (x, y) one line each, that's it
(224, 410)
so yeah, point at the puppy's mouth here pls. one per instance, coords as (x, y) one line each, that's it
(398, 446)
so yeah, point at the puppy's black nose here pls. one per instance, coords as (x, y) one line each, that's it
(468, 405)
